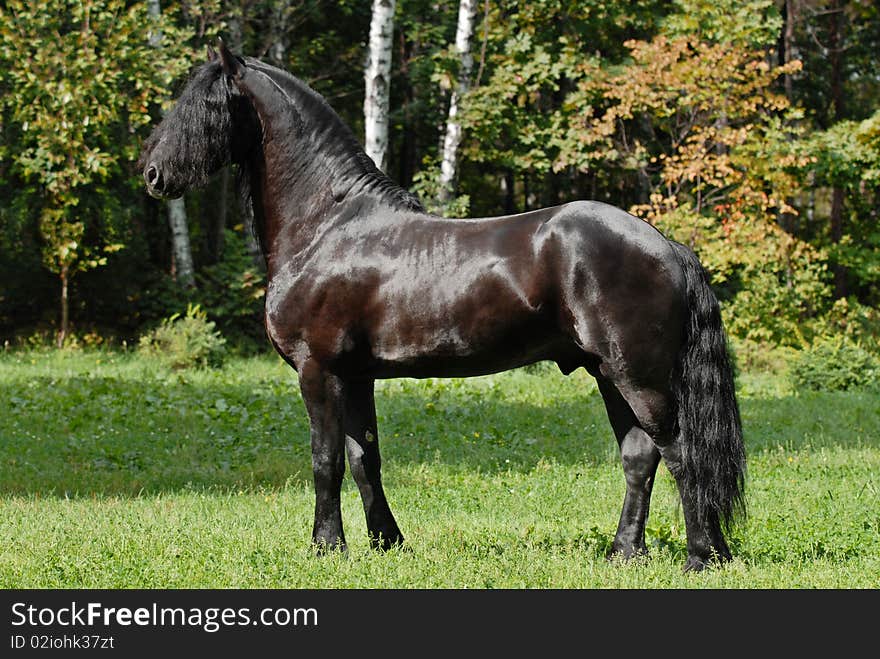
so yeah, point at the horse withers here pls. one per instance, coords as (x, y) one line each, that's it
(363, 284)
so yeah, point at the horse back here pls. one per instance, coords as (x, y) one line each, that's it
(388, 294)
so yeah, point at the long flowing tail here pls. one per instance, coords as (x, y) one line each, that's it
(709, 426)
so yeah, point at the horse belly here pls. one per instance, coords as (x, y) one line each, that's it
(521, 345)
(490, 328)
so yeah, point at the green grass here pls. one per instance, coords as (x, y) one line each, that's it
(117, 474)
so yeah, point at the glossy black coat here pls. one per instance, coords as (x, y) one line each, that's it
(363, 284)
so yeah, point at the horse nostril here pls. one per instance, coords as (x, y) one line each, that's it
(153, 177)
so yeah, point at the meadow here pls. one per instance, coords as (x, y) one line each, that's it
(117, 473)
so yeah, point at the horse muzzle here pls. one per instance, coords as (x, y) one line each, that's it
(157, 183)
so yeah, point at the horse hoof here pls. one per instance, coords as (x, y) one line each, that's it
(698, 564)
(324, 548)
(694, 564)
(626, 553)
(383, 544)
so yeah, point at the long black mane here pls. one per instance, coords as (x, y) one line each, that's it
(331, 137)
(203, 119)
(326, 137)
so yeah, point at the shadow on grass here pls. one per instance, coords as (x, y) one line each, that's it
(91, 435)
(86, 435)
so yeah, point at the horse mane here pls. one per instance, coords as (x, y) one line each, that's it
(353, 170)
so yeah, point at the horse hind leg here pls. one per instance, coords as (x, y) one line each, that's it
(653, 411)
(640, 457)
(705, 540)
(362, 445)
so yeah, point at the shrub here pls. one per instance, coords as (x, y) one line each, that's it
(835, 365)
(753, 357)
(185, 341)
(857, 322)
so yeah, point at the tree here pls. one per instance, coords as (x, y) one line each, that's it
(467, 13)
(846, 157)
(703, 125)
(82, 76)
(378, 81)
(535, 54)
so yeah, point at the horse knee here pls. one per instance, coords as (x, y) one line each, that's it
(327, 469)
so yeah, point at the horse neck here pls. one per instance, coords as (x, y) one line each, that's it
(310, 163)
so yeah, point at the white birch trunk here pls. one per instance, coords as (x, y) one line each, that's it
(467, 12)
(184, 271)
(378, 81)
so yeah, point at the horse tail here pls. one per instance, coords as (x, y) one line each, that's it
(709, 428)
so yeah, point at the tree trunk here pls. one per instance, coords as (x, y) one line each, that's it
(837, 194)
(65, 307)
(278, 49)
(467, 12)
(507, 186)
(185, 272)
(177, 220)
(787, 221)
(786, 43)
(835, 51)
(378, 82)
(407, 159)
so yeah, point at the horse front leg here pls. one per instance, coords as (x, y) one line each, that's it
(322, 394)
(362, 444)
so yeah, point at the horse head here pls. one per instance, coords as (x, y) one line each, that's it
(211, 125)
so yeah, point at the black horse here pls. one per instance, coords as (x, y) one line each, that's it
(364, 284)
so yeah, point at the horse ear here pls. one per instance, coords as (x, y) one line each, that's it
(212, 54)
(232, 65)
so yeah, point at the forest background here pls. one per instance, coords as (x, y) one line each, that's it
(749, 130)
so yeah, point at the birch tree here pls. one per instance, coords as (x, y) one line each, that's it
(378, 81)
(467, 12)
(184, 271)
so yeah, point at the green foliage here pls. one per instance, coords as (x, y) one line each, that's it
(777, 305)
(79, 79)
(753, 23)
(760, 358)
(426, 185)
(852, 320)
(189, 341)
(847, 155)
(90, 76)
(835, 365)
(682, 112)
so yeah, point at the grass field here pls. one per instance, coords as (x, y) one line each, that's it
(116, 474)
